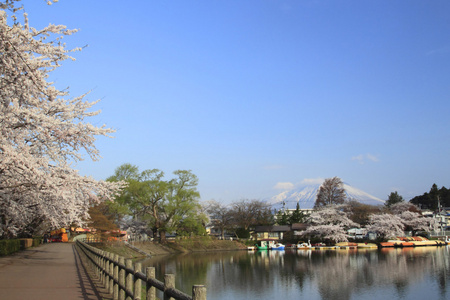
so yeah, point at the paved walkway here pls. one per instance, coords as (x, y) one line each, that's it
(50, 271)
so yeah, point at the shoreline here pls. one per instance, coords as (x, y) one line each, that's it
(172, 247)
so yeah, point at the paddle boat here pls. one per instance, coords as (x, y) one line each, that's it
(400, 243)
(387, 244)
(416, 241)
(346, 245)
(367, 246)
(304, 246)
(325, 247)
(277, 246)
(422, 241)
(264, 245)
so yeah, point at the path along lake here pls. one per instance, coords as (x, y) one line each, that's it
(408, 273)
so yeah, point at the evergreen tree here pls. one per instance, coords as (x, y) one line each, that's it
(394, 198)
(282, 217)
(444, 194)
(430, 200)
(297, 216)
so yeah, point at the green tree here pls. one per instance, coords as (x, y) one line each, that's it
(289, 217)
(163, 205)
(190, 227)
(430, 200)
(144, 192)
(444, 194)
(330, 192)
(180, 204)
(393, 198)
(282, 218)
(297, 215)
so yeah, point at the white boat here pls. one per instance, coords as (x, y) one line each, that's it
(277, 246)
(304, 246)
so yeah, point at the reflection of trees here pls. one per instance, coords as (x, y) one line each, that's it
(341, 275)
(442, 274)
(189, 269)
(334, 274)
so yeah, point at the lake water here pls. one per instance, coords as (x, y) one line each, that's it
(409, 273)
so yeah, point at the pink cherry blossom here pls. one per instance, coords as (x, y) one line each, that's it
(43, 133)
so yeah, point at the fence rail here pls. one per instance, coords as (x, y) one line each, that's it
(124, 280)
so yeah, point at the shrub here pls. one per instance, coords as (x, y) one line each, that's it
(242, 233)
(8, 247)
(37, 241)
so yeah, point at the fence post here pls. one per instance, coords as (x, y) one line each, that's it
(169, 283)
(137, 282)
(129, 279)
(104, 278)
(121, 279)
(106, 270)
(116, 277)
(98, 270)
(111, 273)
(151, 290)
(198, 292)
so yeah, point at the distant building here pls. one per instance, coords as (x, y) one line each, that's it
(278, 232)
(270, 232)
(442, 219)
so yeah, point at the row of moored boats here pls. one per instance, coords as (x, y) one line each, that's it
(399, 242)
(415, 241)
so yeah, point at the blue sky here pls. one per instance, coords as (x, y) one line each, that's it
(256, 95)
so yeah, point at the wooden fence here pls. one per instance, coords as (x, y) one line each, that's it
(125, 281)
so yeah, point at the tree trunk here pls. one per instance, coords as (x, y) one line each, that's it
(162, 237)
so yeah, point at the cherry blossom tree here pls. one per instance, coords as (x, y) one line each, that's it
(386, 225)
(330, 222)
(411, 216)
(403, 216)
(401, 207)
(414, 221)
(43, 132)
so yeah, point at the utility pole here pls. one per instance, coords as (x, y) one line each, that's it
(440, 213)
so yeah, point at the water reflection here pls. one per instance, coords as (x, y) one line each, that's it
(409, 273)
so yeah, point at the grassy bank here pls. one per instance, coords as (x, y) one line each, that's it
(195, 244)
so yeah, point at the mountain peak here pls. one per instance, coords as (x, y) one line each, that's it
(306, 197)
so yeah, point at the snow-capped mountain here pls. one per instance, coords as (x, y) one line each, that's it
(306, 197)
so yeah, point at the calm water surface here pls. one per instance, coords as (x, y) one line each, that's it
(415, 273)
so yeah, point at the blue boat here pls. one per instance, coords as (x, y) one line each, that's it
(277, 246)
